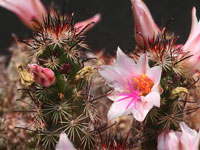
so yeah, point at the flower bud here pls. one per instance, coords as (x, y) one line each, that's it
(43, 76)
(144, 25)
(66, 68)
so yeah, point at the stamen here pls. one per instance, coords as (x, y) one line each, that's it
(144, 84)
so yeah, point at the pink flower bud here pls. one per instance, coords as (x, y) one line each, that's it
(26, 10)
(188, 139)
(144, 25)
(43, 76)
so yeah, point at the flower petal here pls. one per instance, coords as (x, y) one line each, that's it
(26, 10)
(111, 77)
(190, 138)
(81, 25)
(142, 64)
(64, 143)
(192, 46)
(153, 98)
(169, 140)
(141, 110)
(194, 27)
(124, 65)
(154, 74)
(118, 108)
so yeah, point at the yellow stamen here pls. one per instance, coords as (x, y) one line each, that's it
(144, 84)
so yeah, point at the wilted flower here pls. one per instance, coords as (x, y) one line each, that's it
(136, 86)
(42, 76)
(144, 25)
(82, 24)
(188, 139)
(192, 45)
(26, 10)
(64, 143)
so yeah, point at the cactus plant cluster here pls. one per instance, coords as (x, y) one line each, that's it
(60, 91)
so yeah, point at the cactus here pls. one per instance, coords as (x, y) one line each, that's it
(60, 91)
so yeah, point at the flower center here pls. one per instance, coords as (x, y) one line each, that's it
(143, 84)
(133, 95)
(143, 87)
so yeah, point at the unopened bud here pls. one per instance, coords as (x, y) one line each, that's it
(66, 68)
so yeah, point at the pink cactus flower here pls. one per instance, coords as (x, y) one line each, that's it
(192, 45)
(136, 86)
(144, 25)
(188, 139)
(43, 76)
(64, 143)
(26, 10)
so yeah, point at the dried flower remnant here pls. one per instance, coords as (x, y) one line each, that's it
(136, 86)
(89, 22)
(85, 73)
(26, 77)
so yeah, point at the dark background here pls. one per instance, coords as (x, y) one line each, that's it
(116, 26)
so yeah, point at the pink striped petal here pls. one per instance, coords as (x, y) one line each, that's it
(26, 10)
(82, 24)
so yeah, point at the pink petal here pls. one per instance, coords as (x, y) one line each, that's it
(153, 98)
(142, 64)
(113, 95)
(190, 138)
(118, 108)
(169, 140)
(40, 9)
(154, 74)
(125, 65)
(192, 45)
(111, 77)
(194, 28)
(26, 10)
(81, 25)
(142, 110)
(64, 143)
(48, 73)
